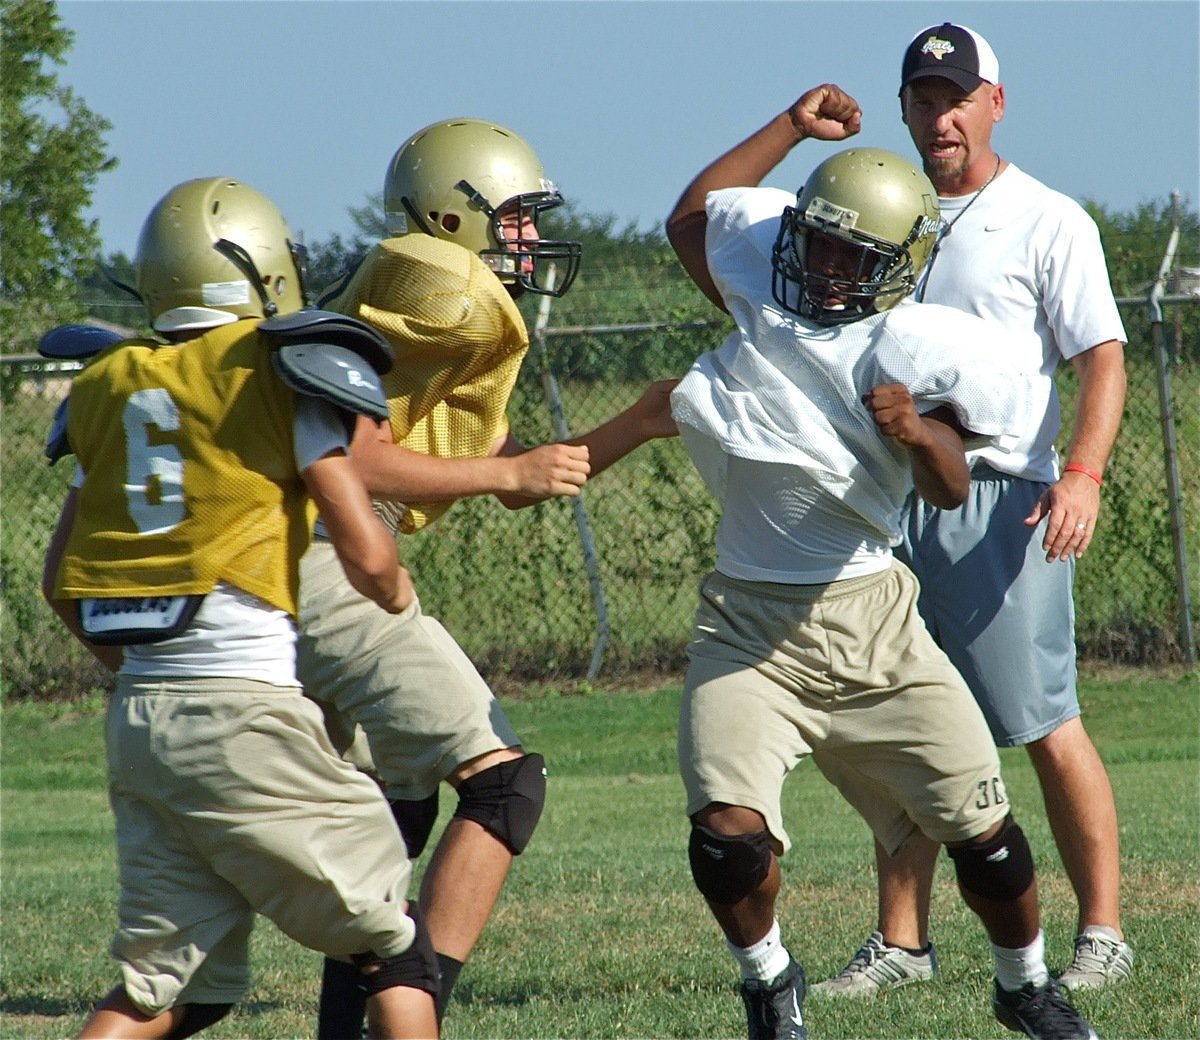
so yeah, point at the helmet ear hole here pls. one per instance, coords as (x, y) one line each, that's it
(451, 222)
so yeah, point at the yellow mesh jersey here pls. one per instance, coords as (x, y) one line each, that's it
(459, 342)
(190, 472)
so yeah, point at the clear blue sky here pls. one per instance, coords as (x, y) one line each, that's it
(624, 101)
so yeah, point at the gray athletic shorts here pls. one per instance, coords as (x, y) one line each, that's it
(229, 799)
(422, 705)
(848, 674)
(1004, 616)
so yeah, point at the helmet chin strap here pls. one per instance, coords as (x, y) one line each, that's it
(122, 285)
(244, 262)
(411, 210)
(475, 197)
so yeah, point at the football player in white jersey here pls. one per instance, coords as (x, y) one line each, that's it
(831, 400)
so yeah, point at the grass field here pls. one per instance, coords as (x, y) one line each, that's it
(599, 932)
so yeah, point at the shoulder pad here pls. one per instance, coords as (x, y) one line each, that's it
(318, 328)
(57, 445)
(333, 372)
(75, 341)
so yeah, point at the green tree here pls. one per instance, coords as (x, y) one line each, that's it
(54, 150)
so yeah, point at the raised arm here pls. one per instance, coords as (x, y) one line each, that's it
(825, 112)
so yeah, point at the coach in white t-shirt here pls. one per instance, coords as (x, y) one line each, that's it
(997, 572)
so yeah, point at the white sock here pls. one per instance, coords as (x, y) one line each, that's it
(766, 959)
(1015, 968)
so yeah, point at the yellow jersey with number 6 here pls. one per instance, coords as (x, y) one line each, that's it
(189, 467)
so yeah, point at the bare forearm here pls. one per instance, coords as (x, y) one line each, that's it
(391, 471)
(646, 419)
(940, 472)
(747, 163)
(825, 112)
(1101, 402)
(366, 549)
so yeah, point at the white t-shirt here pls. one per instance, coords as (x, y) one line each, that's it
(787, 393)
(1030, 258)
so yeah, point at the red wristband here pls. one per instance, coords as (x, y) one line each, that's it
(1074, 467)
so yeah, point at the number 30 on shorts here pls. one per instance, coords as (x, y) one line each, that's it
(991, 792)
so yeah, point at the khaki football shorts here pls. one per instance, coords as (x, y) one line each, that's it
(422, 705)
(848, 674)
(230, 800)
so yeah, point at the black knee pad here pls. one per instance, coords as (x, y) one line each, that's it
(198, 1017)
(416, 967)
(415, 820)
(1001, 868)
(506, 799)
(343, 1001)
(728, 867)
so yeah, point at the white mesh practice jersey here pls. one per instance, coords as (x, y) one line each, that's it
(783, 391)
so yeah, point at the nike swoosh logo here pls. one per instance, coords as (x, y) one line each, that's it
(797, 1018)
(993, 227)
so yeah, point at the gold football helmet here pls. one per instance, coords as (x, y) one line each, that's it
(874, 201)
(464, 181)
(214, 250)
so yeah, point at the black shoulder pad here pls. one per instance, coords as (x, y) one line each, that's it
(335, 373)
(315, 327)
(57, 445)
(75, 342)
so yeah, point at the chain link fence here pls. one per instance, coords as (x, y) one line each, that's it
(604, 587)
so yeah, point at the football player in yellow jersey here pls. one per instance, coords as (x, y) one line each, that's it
(176, 559)
(463, 198)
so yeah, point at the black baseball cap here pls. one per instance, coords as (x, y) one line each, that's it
(953, 52)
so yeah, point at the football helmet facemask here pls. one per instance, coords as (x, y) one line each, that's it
(214, 250)
(884, 213)
(468, 181)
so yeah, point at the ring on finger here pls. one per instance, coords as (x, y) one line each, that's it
(1081, 526)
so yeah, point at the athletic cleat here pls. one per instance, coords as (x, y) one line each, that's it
(774, 1009)
(1100, 959)
(876, 967)
(1043, 1013)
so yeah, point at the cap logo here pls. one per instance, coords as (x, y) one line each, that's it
(938, 48)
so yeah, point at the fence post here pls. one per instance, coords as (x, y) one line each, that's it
(591, 559)
(1170, 449)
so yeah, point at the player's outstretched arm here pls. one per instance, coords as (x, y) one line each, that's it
(397, 473)
(826, 112)
(648, 418)
(933, 441)
(363, 544)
